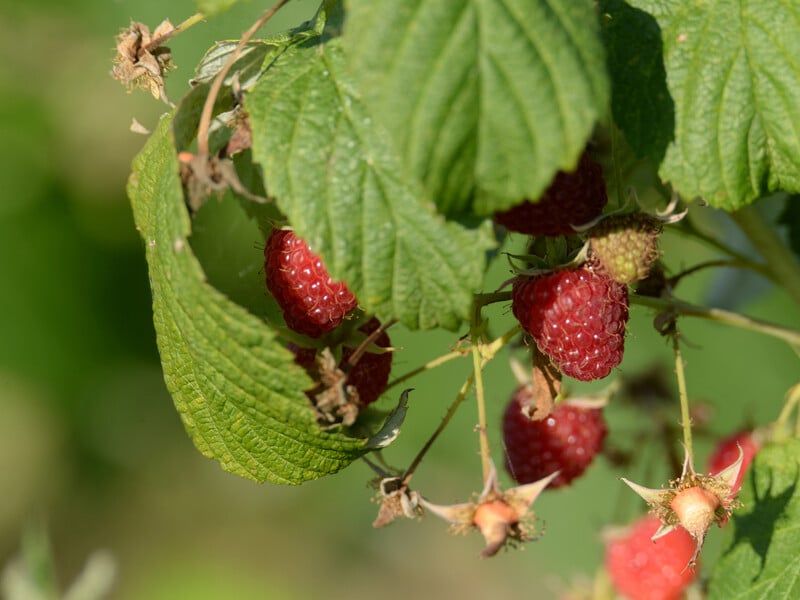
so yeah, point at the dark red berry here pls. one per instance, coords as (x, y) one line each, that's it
(643, 569)
(572, 199)
(312, 303)
(369, 375)
(567, 440)
(727, 451)
(577, 317)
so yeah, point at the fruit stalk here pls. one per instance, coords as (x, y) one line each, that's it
(686, 419)
(486, 459)
(790, 336)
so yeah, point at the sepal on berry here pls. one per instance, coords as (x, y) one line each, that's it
(500, 516)
(694, 501)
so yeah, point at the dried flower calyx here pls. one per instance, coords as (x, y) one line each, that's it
(142, 60)
(694, 501)
(500, 516)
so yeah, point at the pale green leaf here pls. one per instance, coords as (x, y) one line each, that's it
(733, 71)
(334, 173)
(485, 99)
(763, 562)
(238, 392)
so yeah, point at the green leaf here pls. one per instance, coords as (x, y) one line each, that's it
(485, 99)
(238, 392)
(733, 71)
(640, 100)
(763, 562)
(333, 173)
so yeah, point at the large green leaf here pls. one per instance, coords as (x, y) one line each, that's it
(238, 392)
(733, 71)
(336, 176)
(485, 99)
(763, 562)
(640, 101)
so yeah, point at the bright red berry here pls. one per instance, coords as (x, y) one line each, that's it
(572, 199)
(566, 440)
(642, 569)
(369, 375)
(727, 451)
(577, 317)
(312, 303)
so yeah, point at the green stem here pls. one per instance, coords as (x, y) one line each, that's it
(791, 403)
(781, 261)
(486, 458)
(686, 419)
(490, 350)
(451, 411)
(431, 364)
(790, 336)
(187, 23)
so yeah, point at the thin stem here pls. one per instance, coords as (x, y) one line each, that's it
(216, 85)
(490, 350)
(451, 411)
(187, 23)
(486, 460)
(688, 229)
(432, 364)
(790, 336)
(760, 269)
(781, 262)
(792, 402)
(686, 419)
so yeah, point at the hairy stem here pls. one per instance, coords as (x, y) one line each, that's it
(686, 419)
(790, 336)
(486, 458)
(781, 261)
(216, 85)
(490, 350)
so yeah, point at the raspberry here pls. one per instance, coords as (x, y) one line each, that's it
(727, 451)
(368, 376)
(626, 246)
(572, 199)
(312, 303)
(642, 569)
(577, 317)
(567, 440)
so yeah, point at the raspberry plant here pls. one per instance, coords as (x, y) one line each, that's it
(389, 137)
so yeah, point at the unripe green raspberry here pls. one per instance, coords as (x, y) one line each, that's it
(625, 247)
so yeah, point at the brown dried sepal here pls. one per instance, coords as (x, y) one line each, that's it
(203, 176)
(142, 59)
(337, 403)
(397, 500)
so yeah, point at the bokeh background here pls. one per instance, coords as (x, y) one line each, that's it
(94, 463)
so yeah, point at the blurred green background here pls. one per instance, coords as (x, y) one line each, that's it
(92, 450)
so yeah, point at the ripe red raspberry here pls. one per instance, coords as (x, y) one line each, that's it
(577, 317)
(566, 440)
(727, 452)
(572, 199)
(641, 569)
(626, 246)
(369, 376)
(312, 303)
